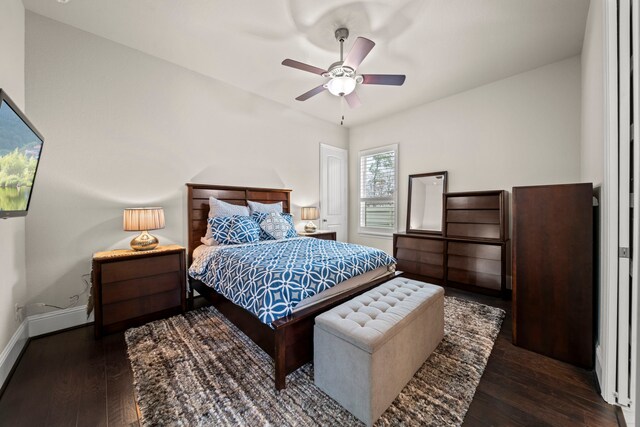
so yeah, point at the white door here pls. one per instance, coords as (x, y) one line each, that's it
(334, 188)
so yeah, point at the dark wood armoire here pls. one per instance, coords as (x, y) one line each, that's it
(553, 287)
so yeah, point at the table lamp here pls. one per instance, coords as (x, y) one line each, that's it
(143, 220)
(309, 214)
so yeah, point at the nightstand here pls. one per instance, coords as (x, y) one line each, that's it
(131, 288)
(320, 234)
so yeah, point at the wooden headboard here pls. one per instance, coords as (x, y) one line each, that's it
(198, 205)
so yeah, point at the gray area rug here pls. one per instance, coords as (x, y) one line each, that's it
(198, 369)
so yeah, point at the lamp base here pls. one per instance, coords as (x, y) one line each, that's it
(310, 227)
(144, 242)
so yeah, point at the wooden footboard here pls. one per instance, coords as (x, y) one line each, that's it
(289, 341)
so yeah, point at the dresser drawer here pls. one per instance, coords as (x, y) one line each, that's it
(476, 250)
(417, 268)
(473, 202)
(420, 256)
(476, 264)
(420, 244)
(136, 268)
(478, 231)
(475, 278)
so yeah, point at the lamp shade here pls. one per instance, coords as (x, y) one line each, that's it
(143, 219)
(340, 86)
(309, 213)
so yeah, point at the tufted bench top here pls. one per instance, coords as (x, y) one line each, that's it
(371, 319)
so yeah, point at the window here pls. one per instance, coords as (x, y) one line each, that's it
(378, 190)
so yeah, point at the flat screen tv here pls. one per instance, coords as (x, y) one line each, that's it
(20, 148)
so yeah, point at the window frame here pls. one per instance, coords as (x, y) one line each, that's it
(378, 231)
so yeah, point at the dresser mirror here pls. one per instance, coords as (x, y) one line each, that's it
(424, 211)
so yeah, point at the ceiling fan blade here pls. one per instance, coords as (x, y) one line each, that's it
(358, 52)
(304, 67)
(312, 92)
(383, 79)
(353, 100)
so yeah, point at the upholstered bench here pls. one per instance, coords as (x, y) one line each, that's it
(367, 349)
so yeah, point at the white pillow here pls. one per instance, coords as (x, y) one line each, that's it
(219, 208)
(264, 207)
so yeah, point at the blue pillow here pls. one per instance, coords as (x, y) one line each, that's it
(219, 208)
(220, 227)
(292, 231)
(243, 230)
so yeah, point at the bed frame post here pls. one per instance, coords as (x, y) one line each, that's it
(279, 352)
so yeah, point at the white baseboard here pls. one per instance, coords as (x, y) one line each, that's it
(598, 367)
(629, 416)
(52, 321)
(11, 352)
(35, 325)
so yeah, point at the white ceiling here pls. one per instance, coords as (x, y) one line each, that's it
(443, 46)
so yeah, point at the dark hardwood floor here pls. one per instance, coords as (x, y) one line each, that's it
(71, 379)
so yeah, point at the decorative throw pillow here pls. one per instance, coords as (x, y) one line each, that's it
(243, 230)
(218, 208)
(276, 226)
(258, 217)
(264, 207)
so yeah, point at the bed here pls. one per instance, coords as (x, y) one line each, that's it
(289, 339)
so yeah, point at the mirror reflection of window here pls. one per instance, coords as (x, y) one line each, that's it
(425, 202)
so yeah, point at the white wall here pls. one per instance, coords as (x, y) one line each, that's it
(123, 129)
(592, 129)
(13, 288)
(523, 130)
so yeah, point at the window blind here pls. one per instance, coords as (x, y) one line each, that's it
(378, 190)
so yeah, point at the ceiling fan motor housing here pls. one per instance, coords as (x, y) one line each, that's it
(342, 34)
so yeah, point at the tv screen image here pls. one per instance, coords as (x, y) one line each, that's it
(20, 148)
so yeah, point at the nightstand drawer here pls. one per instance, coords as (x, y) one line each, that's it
(132, 308)
(136, 268)
(136, 288)
(131, 288)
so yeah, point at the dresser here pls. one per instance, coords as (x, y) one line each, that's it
(473, 251)
(131, 288)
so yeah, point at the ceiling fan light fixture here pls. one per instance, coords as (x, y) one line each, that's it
(341, 86)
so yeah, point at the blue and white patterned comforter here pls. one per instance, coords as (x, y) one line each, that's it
(270, 278)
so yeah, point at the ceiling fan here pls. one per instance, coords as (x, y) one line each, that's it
(342, 74)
